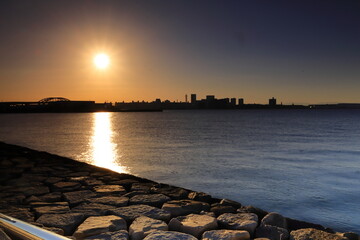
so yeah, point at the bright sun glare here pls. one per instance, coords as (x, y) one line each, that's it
(101, 61)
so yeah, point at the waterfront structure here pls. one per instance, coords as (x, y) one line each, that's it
(272, 101)
(53, 104)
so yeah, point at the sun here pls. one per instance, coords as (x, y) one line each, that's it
(101, 61)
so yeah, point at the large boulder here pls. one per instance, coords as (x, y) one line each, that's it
(271, 232)
(226, 235)
(251, 209)
(314, 234)
(193, 224)
(294, 224)
(200, 196)
(169, 235)
(228, 202)
(67, 221)
(184, 207)
(143, 226)
(155, 200)
(219, 209)
(97, 225)
(129, 213)
(118, 235)
(239, 221)
(274, 219)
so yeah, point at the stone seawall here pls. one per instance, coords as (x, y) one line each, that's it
(82, 201)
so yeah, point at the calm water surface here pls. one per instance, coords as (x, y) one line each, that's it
(304, 164)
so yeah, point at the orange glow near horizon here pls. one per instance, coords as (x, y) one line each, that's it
(103, 148)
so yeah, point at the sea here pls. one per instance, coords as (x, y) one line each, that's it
(303, 164)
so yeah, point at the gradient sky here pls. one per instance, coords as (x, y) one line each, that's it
(297, 51)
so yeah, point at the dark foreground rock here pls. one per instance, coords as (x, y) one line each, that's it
(82, 201)
(168, 235)
(314, 234)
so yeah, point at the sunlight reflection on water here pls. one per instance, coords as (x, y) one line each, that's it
(104, 151)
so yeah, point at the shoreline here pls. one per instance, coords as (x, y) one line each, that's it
(39, 187)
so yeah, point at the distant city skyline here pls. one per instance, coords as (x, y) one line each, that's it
(301, 52)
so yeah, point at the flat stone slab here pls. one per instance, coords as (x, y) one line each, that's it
(66, 221)
(52, 180)
(111, 200)
(314, 234)
(78, 196)
(142, 187)
(66, 186)
(118, 235)
(226, 235)
(129, 213)
(51, 209)
(93, 209)
(143, 226)
(184, 207)
(174, 193)
(239, 221)
(193, 224)
(110, 189)
(33, 190)
(23, 214)
(97, 225)
(155, 200)
(169, 235)
(51, 197)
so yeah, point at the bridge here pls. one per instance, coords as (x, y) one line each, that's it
(54, 99)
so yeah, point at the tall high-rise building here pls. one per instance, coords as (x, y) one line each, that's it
(193, 98)
(233, 101)
(241, 101)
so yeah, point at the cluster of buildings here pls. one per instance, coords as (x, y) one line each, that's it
(210, 102)
(59, 104)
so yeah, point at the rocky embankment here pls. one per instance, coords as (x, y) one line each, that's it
(81, 201)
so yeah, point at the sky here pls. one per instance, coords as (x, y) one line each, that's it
(302, 52)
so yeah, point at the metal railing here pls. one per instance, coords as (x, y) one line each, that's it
(18, 229)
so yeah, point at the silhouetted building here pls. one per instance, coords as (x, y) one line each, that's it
(272, 101)
(210, 98)
(233, 101)
(193, 98)
(241, 101)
